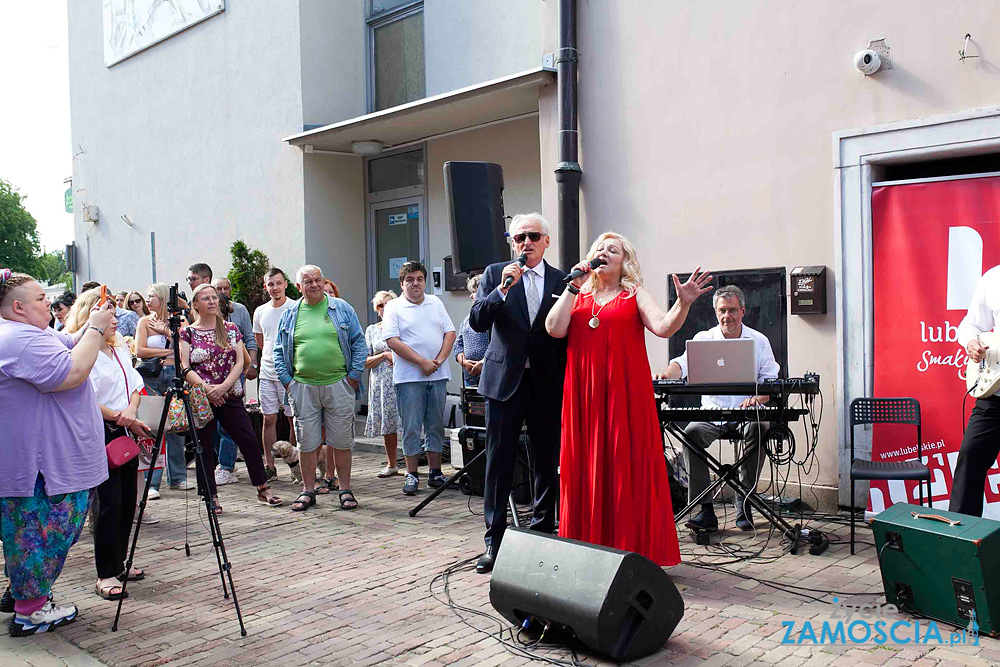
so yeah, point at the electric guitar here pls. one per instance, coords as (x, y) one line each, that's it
(982, 378)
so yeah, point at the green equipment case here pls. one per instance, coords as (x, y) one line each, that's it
(940, 564)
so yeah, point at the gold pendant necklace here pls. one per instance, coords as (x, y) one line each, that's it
(594, 320)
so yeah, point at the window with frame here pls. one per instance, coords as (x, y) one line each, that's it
(396, 72)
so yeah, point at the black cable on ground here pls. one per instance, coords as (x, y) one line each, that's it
(511, 645)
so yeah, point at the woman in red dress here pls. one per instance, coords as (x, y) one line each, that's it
(614, 489)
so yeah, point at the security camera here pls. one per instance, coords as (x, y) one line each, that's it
(867, 62)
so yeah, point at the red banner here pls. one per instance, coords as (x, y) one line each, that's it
(931, 242)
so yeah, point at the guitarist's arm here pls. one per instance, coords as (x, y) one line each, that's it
(977, 321)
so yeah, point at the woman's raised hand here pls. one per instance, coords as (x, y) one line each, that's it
(698, 284)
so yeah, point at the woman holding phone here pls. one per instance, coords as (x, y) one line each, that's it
(116, 384)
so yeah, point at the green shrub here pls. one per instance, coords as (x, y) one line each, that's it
(247, 276)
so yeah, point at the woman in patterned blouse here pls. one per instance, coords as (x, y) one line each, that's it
(470, 347)
(212, 358)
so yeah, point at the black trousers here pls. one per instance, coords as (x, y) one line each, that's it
(233, 417)
(504, 420)
(114, 508)
(979, 451)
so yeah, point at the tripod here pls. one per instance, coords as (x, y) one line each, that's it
(178, 390)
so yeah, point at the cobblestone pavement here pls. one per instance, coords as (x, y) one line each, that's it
(328, 587)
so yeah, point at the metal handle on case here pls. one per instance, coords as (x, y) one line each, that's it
(935, 517)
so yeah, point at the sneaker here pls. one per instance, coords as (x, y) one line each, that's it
(153, 494)
(436, 478)
(270, 473)
(49, 617)
(388, 471)
(148, 519)
(223, 476)
(411, 484)
(181, 486)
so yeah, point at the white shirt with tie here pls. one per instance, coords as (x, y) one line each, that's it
(536, 276)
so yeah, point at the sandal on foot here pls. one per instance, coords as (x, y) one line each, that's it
(346, 498)
(322, 487)
(273, 501)
(135, 574)
(299, 505)
(216, 506)
(113, 591)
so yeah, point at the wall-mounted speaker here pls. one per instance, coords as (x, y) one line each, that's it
(474, 191)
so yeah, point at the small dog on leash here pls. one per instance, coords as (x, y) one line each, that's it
(290, 455)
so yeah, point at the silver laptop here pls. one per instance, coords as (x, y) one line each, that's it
(721, 361)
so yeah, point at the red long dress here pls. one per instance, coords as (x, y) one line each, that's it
(614, 487)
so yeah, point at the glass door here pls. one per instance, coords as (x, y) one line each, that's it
(397, 237)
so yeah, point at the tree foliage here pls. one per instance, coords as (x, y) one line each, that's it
(52, 269)
(19, 246)
(247, 276)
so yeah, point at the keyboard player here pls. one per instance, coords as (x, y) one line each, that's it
(730, 306)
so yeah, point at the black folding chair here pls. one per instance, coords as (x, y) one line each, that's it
(887, 411)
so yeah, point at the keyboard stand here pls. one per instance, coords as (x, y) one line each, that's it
(727, 474)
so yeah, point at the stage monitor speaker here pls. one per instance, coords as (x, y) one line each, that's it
(618, 603)
(940, 564)
(474, 191)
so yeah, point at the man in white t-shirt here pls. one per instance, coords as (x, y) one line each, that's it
(272, 394)
(417, 328)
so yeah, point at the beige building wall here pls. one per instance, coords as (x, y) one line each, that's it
(177, 139)
(335, 224)
(514, 146)
(470, 41)
(707, 133)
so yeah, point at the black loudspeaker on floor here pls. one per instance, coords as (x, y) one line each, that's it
(617, 603)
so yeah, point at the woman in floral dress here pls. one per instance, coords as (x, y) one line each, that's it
(383, 418)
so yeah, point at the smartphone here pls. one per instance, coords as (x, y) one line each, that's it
(104, 295)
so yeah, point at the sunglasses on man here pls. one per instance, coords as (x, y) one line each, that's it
(534, 236)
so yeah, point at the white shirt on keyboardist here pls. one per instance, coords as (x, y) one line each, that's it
(767, 367)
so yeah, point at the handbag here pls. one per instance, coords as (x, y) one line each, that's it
(150, 368)
(122, 449)
(177, 421)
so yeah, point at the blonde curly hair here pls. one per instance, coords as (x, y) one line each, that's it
(631, 271)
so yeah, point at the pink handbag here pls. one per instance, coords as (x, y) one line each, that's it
(122, 449)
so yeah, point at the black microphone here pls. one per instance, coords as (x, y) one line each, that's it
(521, 261)
(594, 263)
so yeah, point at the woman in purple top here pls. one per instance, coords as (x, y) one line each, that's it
(116, 385)
(52, 446)
(212, 358)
